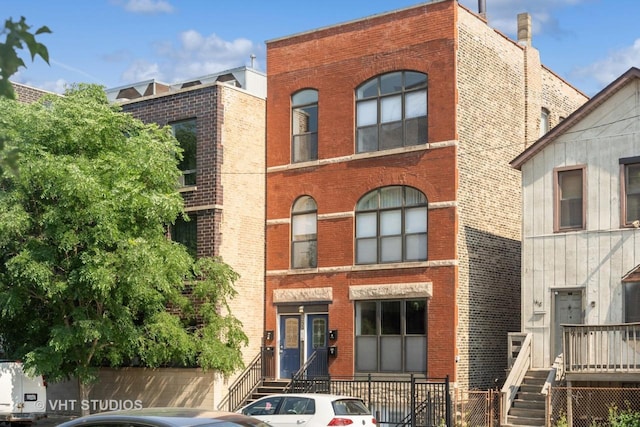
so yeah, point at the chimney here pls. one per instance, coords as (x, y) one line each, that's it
(482, 8)
(524, 29)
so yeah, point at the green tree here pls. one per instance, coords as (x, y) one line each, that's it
(87, 275)
(17, 36)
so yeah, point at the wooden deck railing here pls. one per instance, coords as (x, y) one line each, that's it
(601, 349)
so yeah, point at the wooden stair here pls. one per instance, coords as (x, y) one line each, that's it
(528, 408)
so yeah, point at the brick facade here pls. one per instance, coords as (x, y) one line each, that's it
(28, 94)
(228, 201)
(485, 93)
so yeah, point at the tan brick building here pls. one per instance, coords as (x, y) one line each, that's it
(220, 121)
(393, 216)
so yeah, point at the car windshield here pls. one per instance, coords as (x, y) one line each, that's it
(350, 407)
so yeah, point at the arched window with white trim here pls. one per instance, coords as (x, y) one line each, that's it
(304, 126)
(304, 237)
(391, 226)
(391, 111)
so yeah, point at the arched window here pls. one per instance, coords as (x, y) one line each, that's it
(391, 111)
(304, 238)
(391, 226)
(304, 126)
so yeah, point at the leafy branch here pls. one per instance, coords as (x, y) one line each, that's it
(17, 37)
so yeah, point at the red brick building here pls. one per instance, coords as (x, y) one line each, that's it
(393, 216)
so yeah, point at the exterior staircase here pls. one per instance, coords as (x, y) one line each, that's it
(528, 408)
(267, 387)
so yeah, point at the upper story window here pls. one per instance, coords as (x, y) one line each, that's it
(391, 111)
(391, 226)
(304, 237)
(185, 133)
(186, 232)
(304, 125)
(570, 199)
(544, 121)
(630, 188)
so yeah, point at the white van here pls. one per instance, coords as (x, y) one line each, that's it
(23, 399)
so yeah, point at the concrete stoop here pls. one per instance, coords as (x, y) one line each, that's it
(528, 409)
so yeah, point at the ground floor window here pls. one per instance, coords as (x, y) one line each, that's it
(391, 336)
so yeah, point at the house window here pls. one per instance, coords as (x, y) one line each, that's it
(544, 121)
(391, 111)
(185, 133)
(185, 231)
(570, 192)
(391, 226)
(630, 187)
(391, 336)
(304, 233)
(304, 125)
(632, 302)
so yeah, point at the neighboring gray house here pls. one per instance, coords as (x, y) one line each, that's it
(581, 244)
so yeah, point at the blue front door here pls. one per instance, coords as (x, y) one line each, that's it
(289, 345)
(317, 341)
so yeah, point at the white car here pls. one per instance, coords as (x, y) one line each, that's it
(310, 410)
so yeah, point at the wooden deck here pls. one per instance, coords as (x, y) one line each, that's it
(602, 352)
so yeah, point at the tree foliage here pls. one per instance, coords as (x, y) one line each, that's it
(87, 275)
(18, 36)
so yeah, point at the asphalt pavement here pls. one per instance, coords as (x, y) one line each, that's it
(53, 420)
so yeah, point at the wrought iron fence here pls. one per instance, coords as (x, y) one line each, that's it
(414, 401)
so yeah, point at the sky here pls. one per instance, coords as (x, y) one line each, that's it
(589, 43)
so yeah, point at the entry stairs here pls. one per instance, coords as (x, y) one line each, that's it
(528, 409)
(268, 387)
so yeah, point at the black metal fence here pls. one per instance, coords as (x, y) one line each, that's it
(413, 401)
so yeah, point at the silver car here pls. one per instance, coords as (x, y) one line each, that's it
(165, 417)
(310, 410)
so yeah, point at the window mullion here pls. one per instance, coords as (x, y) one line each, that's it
(379, 336)
(402, 330)
(379, 119)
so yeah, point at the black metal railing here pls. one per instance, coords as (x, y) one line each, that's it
(316, 368)
(261, 367)
(410, 401)
(414, 401)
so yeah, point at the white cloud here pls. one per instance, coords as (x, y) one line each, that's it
(148, 6)
(57, 86)
(142, 70)
(615, 64)
(197, 55)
